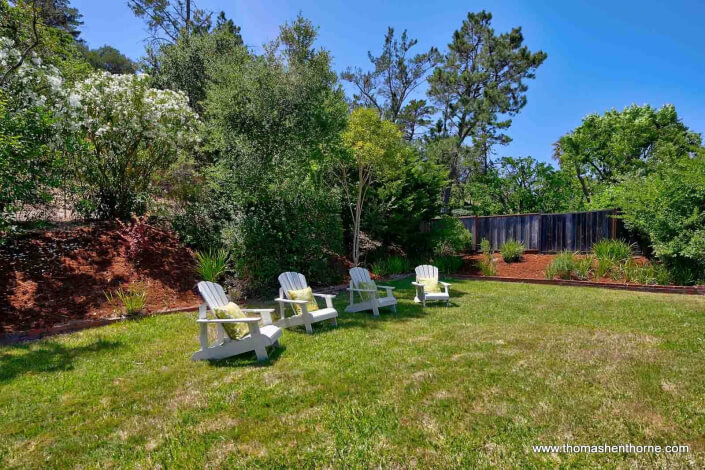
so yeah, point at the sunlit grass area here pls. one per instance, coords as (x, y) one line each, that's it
(472, 385)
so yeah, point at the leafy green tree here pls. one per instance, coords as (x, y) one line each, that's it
(396, 76)
(186, 64)
(60, 15)
(519, 185)
(667, 204)
(479, 85)
(22, 23)
(608, 147)
(376, 148)
(396, 207)
(273, 128)
(109, 59)
(169, 20)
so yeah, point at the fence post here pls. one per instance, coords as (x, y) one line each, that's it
(474, 235)
(540, 234)
(614, 224)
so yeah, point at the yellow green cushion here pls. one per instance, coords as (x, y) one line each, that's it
(367, 285)
(303, 294)
(233, 330)
(430, 285)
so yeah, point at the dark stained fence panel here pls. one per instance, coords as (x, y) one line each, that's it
(548, 233)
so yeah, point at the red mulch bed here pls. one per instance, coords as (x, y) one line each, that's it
(531, 266)
(56, 276)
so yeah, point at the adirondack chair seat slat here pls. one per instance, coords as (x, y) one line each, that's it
(272, 333)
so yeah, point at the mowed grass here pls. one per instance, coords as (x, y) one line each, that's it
(473, 385)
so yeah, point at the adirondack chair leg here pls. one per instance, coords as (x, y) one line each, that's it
(423, 302)
(375, 310)
(394, 308)
(334, 321)
(309, 328)
(261, 352)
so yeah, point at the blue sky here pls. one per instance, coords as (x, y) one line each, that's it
(601, 54)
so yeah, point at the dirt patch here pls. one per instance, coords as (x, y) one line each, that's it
(55, 276)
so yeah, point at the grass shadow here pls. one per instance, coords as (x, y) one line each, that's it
(47, 356)
(249, 359)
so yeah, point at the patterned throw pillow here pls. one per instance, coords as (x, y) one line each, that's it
(233, 330)
(367, 285)
(303, 294)
(430, 285)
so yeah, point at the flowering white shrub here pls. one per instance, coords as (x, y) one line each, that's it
(120, 133)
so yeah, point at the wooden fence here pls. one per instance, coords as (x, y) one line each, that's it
(547, 233)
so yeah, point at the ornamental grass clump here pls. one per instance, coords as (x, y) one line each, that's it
(562, 266)
(131, 301)
(487, 265)
(211, 264)
(512, 251)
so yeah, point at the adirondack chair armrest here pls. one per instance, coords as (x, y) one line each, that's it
(353, 289)
(444, 284)
(265, 313)
(329, 299)
(386, 287)
(252, 323)
(288, 301)
(417, 284)
(229, 320)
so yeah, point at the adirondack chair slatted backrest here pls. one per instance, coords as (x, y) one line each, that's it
(426, 271)
(291, 281)
(358, 275)
(213, 294)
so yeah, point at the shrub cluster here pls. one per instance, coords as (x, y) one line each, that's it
(613, 258)
(512, 251)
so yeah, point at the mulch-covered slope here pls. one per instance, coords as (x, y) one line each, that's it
(531, 266)
(56, 276)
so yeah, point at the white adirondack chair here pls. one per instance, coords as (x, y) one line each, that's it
(257, 341)
(296, 281)
(374, 302)
(426, 271)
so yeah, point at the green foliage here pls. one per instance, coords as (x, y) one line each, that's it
(583, 267)
(391, 265)
(479, 84)
(29, 168)
(109, 59)
(131, 301)
(487, 265)
(396, 208)
(190, 62)
(512, 251)
(666, 205)
(211, 264)
(388, 87)
(448, 264)
(562, 266)
(608, 147)
(518, 185)
(273, 129)
(618, 251)
(450, 236)
(377, 152)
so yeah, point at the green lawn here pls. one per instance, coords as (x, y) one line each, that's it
(473, 385)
